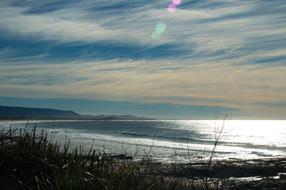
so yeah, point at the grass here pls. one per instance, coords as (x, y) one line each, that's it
(30, 160)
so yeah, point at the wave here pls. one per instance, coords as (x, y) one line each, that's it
(200, 141)
(195, 138)
(136, 134)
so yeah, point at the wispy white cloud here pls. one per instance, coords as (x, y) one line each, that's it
(229, 27)
(228, 85)
(14, 22)
(231, 53)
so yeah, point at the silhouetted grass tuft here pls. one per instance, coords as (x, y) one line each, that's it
(28, 160)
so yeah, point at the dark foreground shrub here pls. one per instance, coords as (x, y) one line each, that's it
(28, 160)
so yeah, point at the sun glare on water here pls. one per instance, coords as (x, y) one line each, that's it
(264, 130)
(268, 132)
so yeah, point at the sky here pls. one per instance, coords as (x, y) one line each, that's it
(201, 59)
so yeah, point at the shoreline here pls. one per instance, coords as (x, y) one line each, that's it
(232, 168)
(28, 159)
(269, 173)
(220, 169)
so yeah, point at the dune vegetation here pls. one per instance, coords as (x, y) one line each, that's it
(30, 159)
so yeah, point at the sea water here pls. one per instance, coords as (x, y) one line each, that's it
(170, 140)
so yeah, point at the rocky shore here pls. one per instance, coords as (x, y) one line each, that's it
(269, 173)
(28, 161)
(230, 174)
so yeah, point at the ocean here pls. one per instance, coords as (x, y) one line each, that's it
(170, 140)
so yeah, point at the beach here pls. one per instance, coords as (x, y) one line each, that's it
(182, 167)
(169, 140)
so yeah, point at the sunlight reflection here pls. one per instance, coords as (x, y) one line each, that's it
(263, 132)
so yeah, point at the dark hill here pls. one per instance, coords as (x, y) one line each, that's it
(7, 112)
(25, 113)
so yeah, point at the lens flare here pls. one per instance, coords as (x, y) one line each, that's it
(177, 2)
(161, 27)
(171, 7)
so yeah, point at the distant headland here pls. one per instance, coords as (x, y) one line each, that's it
(27, 113)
